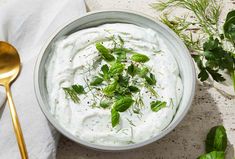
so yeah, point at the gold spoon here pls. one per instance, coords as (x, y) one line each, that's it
(9, 69)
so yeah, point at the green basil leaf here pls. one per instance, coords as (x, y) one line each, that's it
(132, 70)
(123, 104)
(213, 155)
(105, 104)
(78, 89)
(115, 117)
(121, 56)
(104, 52)
(105, 69)
(230, 15)
(229, 28)
(216, 139)
(123, 81)
(151, 80)
(96, 81)
(157, 105)
(116, 68)
(110, 89)
(139, 58)
(134, 89)
(143, 72)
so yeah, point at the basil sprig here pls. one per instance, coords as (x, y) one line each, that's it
(216, 143)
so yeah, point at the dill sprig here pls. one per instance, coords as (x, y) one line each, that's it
(203, 36)
(73, 92)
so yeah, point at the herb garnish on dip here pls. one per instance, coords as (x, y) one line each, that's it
(115, 84)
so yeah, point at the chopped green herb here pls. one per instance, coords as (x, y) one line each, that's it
(151, 79)
(151, 90)
(105, 104)
(115, 117)
(139, 58)
(134, 89)
(104, 52)
(110, 89)
(72, 94)
(130, 122)
(116, 68)
(123, 104)
(123, 81)
(143, 72)
(121, 56)
(157, 105)
(78, 89)
(96, 81)
(121, 41)
(105, 70)
(132, 70)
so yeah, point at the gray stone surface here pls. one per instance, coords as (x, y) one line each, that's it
(209, 108)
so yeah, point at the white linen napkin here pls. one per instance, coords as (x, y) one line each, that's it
(26, 24)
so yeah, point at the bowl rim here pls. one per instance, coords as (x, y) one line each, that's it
(67, 134)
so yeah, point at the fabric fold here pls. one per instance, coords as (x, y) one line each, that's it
(26, 25)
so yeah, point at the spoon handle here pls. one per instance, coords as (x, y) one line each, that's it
(16, 124)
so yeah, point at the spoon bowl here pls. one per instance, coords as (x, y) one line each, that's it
(9, 70)
(9, 63)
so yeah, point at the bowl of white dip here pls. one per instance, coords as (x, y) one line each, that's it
(114, 80)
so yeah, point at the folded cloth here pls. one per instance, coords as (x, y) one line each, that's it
(26, 24)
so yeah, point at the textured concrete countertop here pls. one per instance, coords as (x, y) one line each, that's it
(209, 108)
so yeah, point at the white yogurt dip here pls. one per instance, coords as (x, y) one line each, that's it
(74, 59)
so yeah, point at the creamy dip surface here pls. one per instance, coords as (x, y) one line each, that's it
(75, 59)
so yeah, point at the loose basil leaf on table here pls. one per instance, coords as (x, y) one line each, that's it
(216, 139)
(229, 26)
(213, 155)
